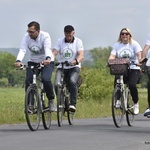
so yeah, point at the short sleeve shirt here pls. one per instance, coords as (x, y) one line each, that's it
(129, 50)
(68, 51)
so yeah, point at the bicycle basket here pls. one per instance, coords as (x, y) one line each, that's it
(118, 66)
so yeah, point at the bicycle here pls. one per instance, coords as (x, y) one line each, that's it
(120, 67)
(63, 97)
(36, 102)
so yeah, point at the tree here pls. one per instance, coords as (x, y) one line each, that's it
(7, 69)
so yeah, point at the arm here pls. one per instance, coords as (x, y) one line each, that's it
(22, 52)
(55, 52)
(112, 56)
(145, 50)
(80, 57)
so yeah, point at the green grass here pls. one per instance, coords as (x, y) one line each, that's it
(12, 106)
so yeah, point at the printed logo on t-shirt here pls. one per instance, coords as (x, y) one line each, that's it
(35, 49)
(67, 53)
(125, 53)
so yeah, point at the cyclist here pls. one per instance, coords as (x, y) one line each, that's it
(126, 47)
(146, 53)
(69, 48)
(38, 43)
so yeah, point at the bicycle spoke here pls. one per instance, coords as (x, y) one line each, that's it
(46, 114)
(117, 112)
(130, 110)
(32, 111)
(60, 107)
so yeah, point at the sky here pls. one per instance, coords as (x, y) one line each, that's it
(97, 22)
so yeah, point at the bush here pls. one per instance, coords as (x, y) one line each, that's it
(4, 82)
(97, 85)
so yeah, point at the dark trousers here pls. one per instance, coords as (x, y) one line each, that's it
(73, 75)
(46, 74)
(132, 79)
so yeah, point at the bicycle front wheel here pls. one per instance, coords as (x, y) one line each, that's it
(130, 109)
(46, 114)
(117, 112)
(60, 106)
(70, 115)
(32, 111)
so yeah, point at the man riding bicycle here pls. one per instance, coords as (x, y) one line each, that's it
(69, 48)
(38, 43)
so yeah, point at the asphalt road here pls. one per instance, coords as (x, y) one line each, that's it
(85, 134)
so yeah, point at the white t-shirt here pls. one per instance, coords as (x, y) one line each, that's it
(68, 51)
(148, 43)
(39, 49)
(130, 51)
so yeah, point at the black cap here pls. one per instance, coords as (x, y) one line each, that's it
(68, 28)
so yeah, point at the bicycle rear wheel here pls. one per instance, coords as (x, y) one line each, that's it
(46, 114)
(32, 111)
(130, 109)
(60, 106)
(117, 113)
(70, 115)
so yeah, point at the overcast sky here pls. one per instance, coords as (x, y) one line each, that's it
(96, 22)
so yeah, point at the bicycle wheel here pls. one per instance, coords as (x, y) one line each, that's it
(60, 107)
(117, 113)
(32, 111)
(130, 109)
(46, 114)
(70, 115)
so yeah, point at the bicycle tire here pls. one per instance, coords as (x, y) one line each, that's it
(70, 115)
(117, 113)
(130, 109)
(46, 114)
(32, 114)
(60, 106)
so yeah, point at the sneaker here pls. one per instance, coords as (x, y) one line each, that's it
(136, 109)
(147, 112)
(118, 104)
(53, 107)
(72, 108)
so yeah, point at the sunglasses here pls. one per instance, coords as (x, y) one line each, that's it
(125, 33)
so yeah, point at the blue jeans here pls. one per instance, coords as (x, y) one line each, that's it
(73, 75)
(46, 74)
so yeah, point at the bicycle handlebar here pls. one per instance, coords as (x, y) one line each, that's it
(38, 66)
(63, 63)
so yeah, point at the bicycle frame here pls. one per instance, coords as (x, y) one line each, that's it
(39, 101)
(63, 98)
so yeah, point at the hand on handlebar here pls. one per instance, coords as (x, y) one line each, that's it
(142, 60)
(18, 64)
(46, 62)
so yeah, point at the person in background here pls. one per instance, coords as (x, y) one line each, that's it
(38, 43)
(69, 48)
(146, 54)
(126, 47)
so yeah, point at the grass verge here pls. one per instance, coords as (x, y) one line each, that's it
(12, 106)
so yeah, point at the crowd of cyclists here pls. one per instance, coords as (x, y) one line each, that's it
(70, 48)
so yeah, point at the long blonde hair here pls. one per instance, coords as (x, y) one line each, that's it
(128, 30)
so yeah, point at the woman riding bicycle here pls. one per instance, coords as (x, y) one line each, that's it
(126, 47)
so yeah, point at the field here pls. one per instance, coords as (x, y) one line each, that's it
(12, 106)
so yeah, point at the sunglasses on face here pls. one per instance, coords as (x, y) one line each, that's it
(125, 33)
